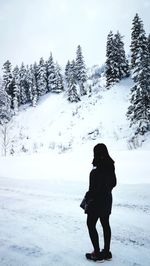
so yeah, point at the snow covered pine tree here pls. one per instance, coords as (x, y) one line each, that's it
(5, 102)
(80, 71)
(72, 85)
(139, 110)
(7, 79)
(117, 66)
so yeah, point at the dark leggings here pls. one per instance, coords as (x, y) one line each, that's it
(91, 224)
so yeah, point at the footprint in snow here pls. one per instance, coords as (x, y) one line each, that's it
(28, 251)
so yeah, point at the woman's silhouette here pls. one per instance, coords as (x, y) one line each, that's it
(99, 197)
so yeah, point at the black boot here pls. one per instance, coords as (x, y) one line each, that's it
(95, 256)
(107, 255)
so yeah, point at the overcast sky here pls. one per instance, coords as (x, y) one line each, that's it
(30, 29)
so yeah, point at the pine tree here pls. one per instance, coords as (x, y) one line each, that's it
(120, 57)
(148, 39)
(110, 60)
(41, 78)
(16, 89)
(139, 110)
(74, 69)
(51, 74)
(67, 69)
(32, 86)
(140, 45)
(80, 71)
(72, 85)
(24, 86)
(7, 79)
(35, 71)
(137, 29)
(59, 79)
(113, 59)
(70, 67)
(5, 106)
(116, 63)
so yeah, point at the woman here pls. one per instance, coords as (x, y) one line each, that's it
(99, 197)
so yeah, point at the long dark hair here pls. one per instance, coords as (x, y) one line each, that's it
(101, 155)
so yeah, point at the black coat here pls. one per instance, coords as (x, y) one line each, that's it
(102, 181)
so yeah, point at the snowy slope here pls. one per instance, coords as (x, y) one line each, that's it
(57, 124)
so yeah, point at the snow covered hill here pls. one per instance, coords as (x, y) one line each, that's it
(57, 124)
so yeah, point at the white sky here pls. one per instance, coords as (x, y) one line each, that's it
(30, 29)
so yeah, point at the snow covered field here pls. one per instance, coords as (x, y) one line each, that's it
(42, 224)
